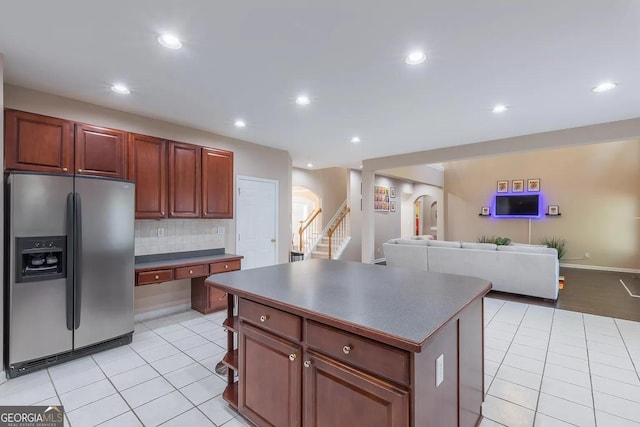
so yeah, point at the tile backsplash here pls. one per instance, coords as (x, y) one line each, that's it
(178, 235)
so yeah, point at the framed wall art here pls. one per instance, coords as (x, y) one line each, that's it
(392, 192)
(503, 187)
(517, 186)
(533, 184)
(392, 206)
(380, 198)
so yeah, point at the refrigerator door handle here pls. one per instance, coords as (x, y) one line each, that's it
(70, 275)
(78, 260)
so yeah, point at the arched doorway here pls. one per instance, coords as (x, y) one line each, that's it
(425, 216)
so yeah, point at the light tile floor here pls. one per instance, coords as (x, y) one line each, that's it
(543, 367)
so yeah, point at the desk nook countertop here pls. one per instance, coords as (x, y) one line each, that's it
(354, 344)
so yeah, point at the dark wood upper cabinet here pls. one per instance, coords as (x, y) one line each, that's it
(217, 183)
(100, 151)
(148, 168)
(37, 143)
(184, 180)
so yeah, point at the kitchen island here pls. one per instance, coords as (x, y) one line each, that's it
(336, 343)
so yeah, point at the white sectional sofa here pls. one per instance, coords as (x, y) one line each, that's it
(519, 269)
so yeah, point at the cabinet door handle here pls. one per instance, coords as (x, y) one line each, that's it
(346, 349)
(64, 169)
(223, 296)
(307, 363)
(264, 318)
(292, 357)
(157, 277)
(162, 213)
(79, 170)
(190, 271)
(226, 266)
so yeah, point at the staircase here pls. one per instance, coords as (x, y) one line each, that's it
(335, 237)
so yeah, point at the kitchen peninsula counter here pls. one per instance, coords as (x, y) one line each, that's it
(309, 328)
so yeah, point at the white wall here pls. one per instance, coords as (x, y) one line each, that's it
(353, 251)
(249, 160)
(329, 184)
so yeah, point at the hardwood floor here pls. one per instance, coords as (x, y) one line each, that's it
(590, 291)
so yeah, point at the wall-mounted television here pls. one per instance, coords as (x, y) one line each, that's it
(518, 205)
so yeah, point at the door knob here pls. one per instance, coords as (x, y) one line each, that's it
(273, 240)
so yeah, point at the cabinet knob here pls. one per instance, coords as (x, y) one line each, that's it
(64, 169)
(162, 213)
(292, 357)
(79, 170)
(346, 349)
(307, 363)
(157, 277)
(226, 266)
(223, 296)
(273, 240)
(264, 318)
(190, 271)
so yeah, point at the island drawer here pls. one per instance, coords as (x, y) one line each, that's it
(189, 272)
(154, 276)
(372, 356)
(221, 267)
(270, 319)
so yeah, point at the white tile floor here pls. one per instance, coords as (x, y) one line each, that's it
(543, 367)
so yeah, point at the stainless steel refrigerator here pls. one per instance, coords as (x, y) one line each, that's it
(69, 276)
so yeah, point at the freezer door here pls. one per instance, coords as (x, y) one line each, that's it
(105, 260)
(37, 311)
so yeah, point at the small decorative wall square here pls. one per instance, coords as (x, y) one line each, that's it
(517, 186)
(393, 206)
(553, 210)
(392, 192)
(485, 211)
(503, 187)
(533, 184)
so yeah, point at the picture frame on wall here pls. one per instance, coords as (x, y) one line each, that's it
(380, 198)
(392, 206)
(392, 192)
(533, 185)
(503, 187)
(517, 186)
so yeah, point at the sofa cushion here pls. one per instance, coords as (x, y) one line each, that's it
(443, 244)
(411, 242)
(527, 245)
(482, 246)
(410, 256)
(528, 249)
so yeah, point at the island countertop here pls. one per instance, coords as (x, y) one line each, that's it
(400, 306)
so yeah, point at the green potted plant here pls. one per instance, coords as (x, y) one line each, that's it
(554, 242)
(500, 241)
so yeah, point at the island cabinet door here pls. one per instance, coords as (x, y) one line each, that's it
(339, 396)
(270, 379)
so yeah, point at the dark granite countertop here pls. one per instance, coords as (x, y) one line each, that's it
(174, 259)
(400, 306)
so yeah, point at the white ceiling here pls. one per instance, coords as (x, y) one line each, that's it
(251, 58)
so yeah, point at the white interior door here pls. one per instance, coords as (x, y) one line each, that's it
(256, 221)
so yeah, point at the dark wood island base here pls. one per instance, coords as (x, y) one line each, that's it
(334, 343)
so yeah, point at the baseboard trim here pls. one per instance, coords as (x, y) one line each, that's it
(3, 377)
(160, 312)
(375, 261)
(599, 267)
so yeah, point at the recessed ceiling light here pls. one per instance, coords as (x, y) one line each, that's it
(499, 108)
(121, 89)
(309, 165)
(603, 87)
(240, 123)
(416, 57)
(170, 41)
(303, 100)
(355, 139)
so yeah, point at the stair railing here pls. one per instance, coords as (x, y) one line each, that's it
(309, 229)
(339, 230)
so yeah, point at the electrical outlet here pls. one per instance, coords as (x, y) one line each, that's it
(160, 232)
(439, 370)
(587, 255)
(220, 230)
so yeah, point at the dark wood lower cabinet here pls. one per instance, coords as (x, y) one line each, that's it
(270, 379)
(339, 396)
